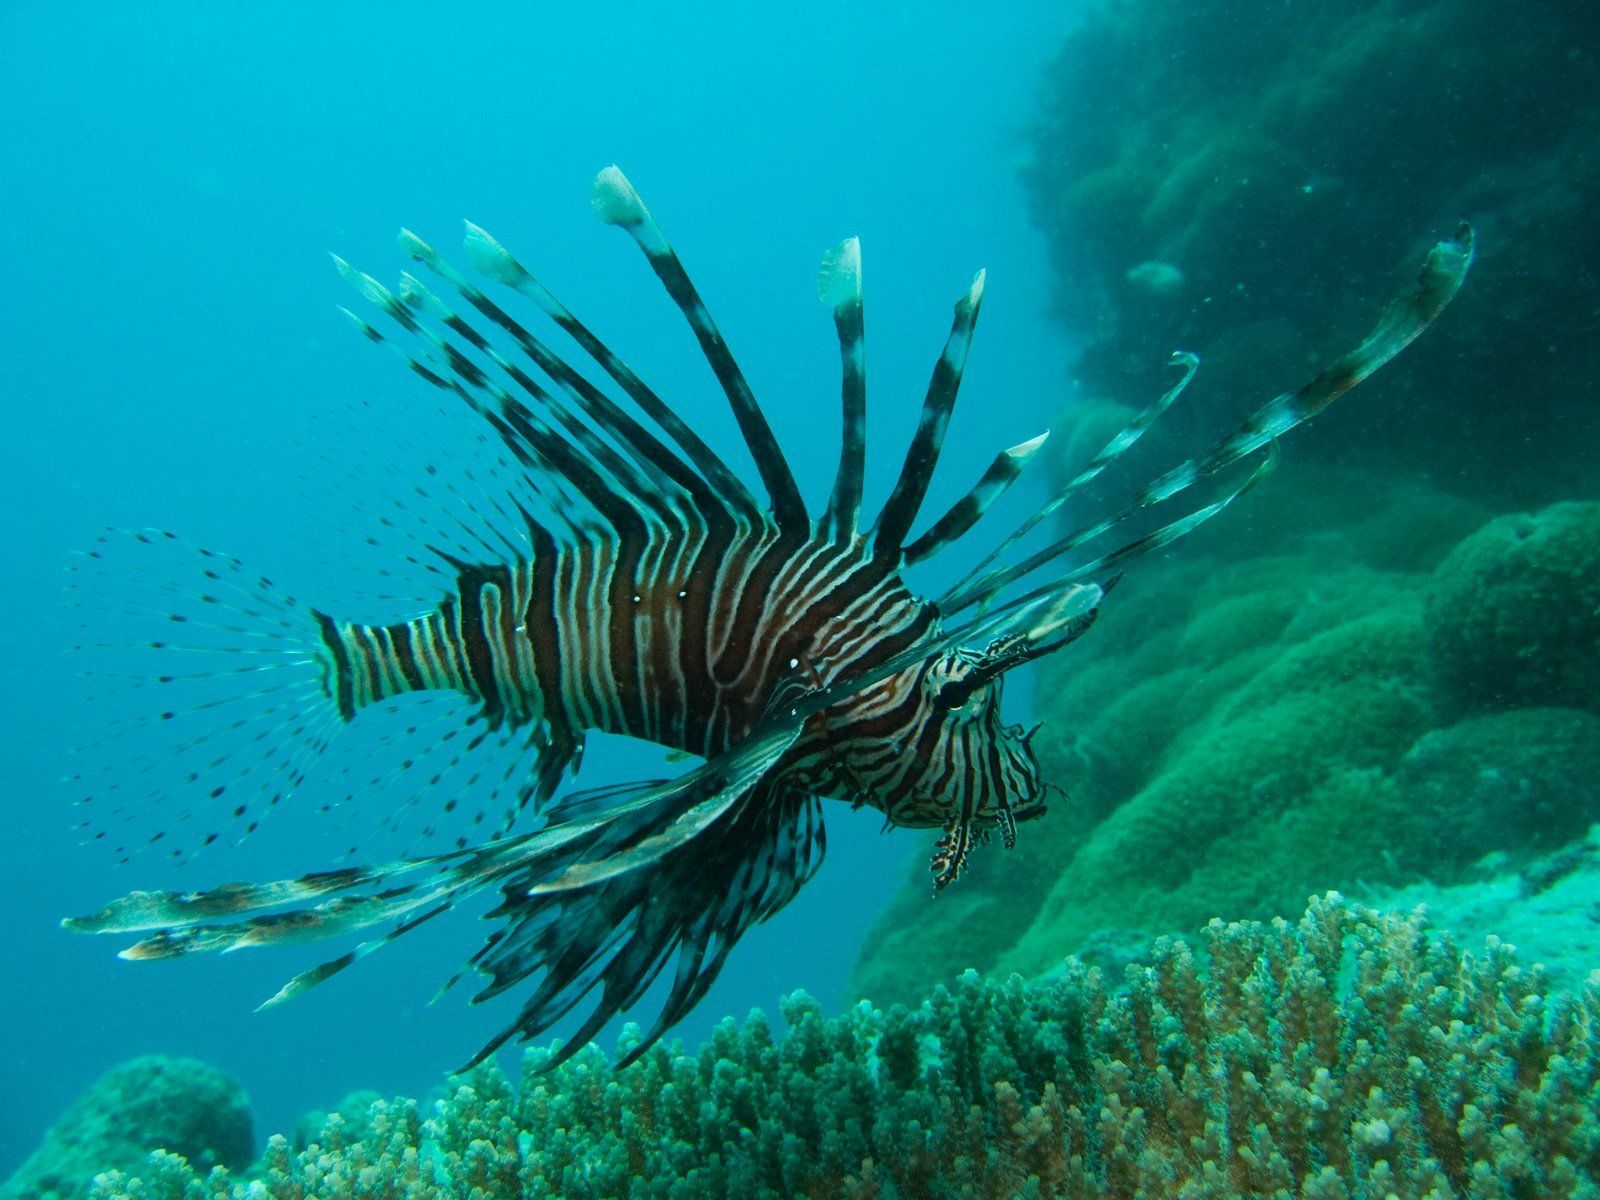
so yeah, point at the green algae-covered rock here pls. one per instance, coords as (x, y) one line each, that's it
(1521, 783)
(1513, 614)
(1237, 732)
(1221, 746)
(181, 1105)
(1226, 735)
(1282, 790)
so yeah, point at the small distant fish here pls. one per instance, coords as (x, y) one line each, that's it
(660, 597)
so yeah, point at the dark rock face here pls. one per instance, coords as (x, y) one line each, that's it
(1248, 179)
(153, 1103)
(1513, 615)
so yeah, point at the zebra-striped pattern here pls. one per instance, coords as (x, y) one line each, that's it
(660, 599)
(684, 649)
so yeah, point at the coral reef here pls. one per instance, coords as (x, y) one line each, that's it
(153, 1103)
(1239, 731)
(1517, 783)
(1513, 615)
(1348, 1056)
(1336, 687)
(352, 1111)
(1548, 909)
(1245, 178)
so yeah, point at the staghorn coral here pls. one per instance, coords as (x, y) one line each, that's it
(1348, 1056)
(1548, 908)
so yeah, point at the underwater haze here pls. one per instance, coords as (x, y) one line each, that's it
(178, 175)
(1274, 872)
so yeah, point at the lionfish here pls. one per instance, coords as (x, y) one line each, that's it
(651, 593)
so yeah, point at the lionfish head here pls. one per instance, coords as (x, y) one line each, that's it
(974, 772)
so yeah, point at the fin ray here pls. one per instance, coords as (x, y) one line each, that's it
(1402, 320)
(969, 510)
(649, 454)
(543, 875)
(900, 510)
(616, 203)
(496, 262)
(839, 285)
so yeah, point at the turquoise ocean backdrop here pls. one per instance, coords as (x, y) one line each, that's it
(1314, 913)
(178, 175)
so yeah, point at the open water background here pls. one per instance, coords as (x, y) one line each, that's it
(174, 175)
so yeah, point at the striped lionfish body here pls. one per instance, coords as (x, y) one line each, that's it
(649, 592)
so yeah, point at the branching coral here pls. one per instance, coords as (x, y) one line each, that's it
(1344, 1057)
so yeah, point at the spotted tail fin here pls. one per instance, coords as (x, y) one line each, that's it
(210, 685)
(213, 696)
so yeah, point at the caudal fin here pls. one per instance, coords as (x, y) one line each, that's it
(209, 692)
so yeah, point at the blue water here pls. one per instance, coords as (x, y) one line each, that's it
(173, 178)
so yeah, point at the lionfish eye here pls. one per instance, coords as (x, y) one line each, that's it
(955, 693)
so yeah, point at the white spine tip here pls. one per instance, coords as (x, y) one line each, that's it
(839, 280)
(1023, 451)
(975, 292)
(489, 257)
(415, 294)
(614, 200)
(1058, 613)
(415, 246)
(362, 282)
